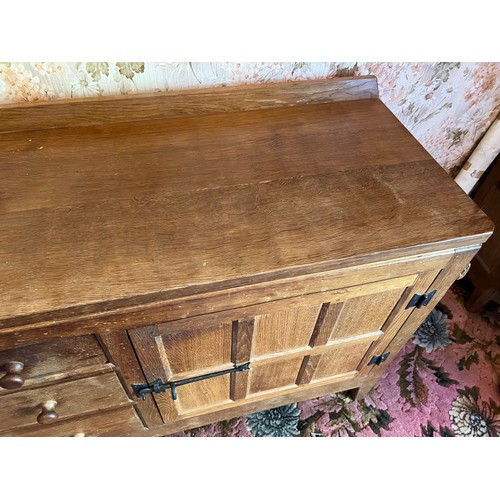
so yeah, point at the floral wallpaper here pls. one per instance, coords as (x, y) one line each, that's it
(447, 106)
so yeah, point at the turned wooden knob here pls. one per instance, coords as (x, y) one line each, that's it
(13, 378)
(464, 271)
(48, 414)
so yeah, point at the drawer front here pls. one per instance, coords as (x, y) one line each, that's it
(122, 422)
(286, 345)
(25, 366)
(72, 399)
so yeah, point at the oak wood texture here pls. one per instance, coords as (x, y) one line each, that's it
(175, 236)
(241, 350)
(284, 330)
(286, 347)
(52, 357)
(331, 295)
(73, 398)
(120, 352)
(121, 422)
(400, 325)
(404, 324)
(156, 106)
(269, 191)
(204, 303)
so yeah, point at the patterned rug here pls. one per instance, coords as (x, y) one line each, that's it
(444, 382)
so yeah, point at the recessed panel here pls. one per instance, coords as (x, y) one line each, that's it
(341, 359)
(284, 330)
(365, 314)
(274, 375)
(197, 350)
(205, 393)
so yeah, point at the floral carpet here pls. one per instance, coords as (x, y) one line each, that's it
(444, 382)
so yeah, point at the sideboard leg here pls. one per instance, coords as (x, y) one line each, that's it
(363, 391)
(479, 298)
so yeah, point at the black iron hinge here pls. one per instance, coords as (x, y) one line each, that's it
(377, 360)
(158, 386)
(419, 301)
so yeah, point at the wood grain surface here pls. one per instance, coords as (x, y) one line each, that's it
(109, 109)
(73, 398)
(111, 215)
(89, 318)
(284, 225)
(55, 356)
(122, 422)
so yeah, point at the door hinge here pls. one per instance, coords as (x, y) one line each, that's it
(419, 301)
(158, 386)
(377, 360)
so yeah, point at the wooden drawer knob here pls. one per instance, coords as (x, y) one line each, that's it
(464, 271)
(13, 378)
(48, 414)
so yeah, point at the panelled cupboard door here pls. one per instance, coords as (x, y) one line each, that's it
(212, 362)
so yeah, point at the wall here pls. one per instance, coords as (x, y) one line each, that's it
(446, 106)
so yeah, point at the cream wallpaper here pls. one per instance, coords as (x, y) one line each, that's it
(447, 106)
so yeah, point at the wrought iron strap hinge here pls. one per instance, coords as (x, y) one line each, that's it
(377, 360)
(419, 301)
(158, 386)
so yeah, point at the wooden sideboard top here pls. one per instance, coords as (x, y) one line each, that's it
(120, 201)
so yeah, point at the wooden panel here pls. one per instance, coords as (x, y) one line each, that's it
(307, 369)
(276, 306)
(239, 385)
(154, 366)
(243, 332)
(132, 224)
(403, 327)
(266, 146)
(56, 356)
(154, 232)
(203, 394)
(87, 111)
(284, 330)
(197, 350)
(122, 422)
(398, 317)
(121, 353)
(327, 319)
(73, 399)
(274, 375)
(365, 314)
(62, 323)
(183, 355)
(274, 343)
(341, 359)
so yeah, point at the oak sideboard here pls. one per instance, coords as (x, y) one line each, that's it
(171, 260)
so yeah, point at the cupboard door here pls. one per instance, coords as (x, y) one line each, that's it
(330, 336)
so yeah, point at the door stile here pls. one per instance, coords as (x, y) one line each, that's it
(147, 346)
(395, 320)
(241, 349)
